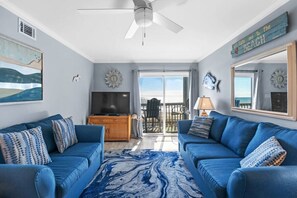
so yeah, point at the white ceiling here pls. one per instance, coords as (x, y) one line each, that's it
(208, 24)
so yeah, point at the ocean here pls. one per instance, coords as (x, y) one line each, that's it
(244, 99)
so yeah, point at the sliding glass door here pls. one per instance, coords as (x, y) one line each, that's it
(164, 100)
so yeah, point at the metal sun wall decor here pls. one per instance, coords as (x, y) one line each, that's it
(211, 82)
(113, 78)
(20, 72)
(279, 79)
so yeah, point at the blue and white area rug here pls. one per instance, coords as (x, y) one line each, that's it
(145, 173)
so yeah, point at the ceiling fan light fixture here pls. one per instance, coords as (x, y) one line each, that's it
(143, 17)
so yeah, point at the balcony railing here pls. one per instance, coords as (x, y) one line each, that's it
(245, 105)
(173, 113)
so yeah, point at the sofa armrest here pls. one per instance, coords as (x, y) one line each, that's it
(272, 182)
(34, 181)
(90, 133)
(183, 126)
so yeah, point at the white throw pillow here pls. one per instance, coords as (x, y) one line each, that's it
(25, 147)
(269, 153)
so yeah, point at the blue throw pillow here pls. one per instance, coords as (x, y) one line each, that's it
(25, 147)
(238, 133)
(218, 125)
(269, 153)
(200, 127)
(64, 133)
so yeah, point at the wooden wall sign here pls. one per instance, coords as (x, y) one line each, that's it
(272, 30)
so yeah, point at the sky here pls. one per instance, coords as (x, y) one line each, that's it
(153, 87)
(21, 69)
(242, 86)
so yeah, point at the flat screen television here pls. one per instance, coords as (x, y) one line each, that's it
(110, 103)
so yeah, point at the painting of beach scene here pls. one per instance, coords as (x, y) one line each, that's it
(20, 72)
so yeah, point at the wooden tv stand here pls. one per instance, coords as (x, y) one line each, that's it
(117, 128)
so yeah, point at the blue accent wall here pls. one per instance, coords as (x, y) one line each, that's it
(219, 63)
(60, 94)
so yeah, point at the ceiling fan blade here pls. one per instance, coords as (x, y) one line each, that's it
(165, 22)
(116, 6)
(104, 10)
(161, 4)
(121, 3)
(142, 3)
(132, 30)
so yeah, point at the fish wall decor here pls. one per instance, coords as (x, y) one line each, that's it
(211, 82)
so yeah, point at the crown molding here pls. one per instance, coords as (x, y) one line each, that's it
(131, 61)
(15, 10)
(247, 26)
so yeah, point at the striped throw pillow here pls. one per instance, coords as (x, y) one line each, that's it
(269, 153)
(201, 126)
(25, 147)
(64, 133)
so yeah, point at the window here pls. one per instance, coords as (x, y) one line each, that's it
(243, 90)
(171, 88)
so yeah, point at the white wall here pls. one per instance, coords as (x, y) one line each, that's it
(219, 64)
(60, 94)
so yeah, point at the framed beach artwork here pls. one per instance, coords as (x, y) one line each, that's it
(20, 72)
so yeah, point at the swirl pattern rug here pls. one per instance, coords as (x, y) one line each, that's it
(144, 173)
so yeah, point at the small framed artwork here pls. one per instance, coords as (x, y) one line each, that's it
(21, 70)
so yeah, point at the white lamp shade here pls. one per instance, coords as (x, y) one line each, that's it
(204, 103)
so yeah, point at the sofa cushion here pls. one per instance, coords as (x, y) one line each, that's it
(185, 139)
(91, 151)
(64, 133)
(200, 127)
(67, 171)
(218, 125)
(216, 173)
(238, 133)
(47, 130)
(286, 137)
(208, 151)
(14, 128)
(264, 132)
(24, 147)
(269, 153)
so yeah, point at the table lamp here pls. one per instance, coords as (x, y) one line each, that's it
(203, 103)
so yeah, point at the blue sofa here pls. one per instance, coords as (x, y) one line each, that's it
(68, 173)
(214, 162)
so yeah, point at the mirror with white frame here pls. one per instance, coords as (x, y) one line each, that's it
(266, 84)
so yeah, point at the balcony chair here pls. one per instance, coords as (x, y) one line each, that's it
(152, 112)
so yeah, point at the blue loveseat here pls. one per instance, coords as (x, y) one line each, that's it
(214, 162)
(68, 173)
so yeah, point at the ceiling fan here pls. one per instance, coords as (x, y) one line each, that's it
(145, 14)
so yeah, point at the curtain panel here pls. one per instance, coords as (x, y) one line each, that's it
(136, 107)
